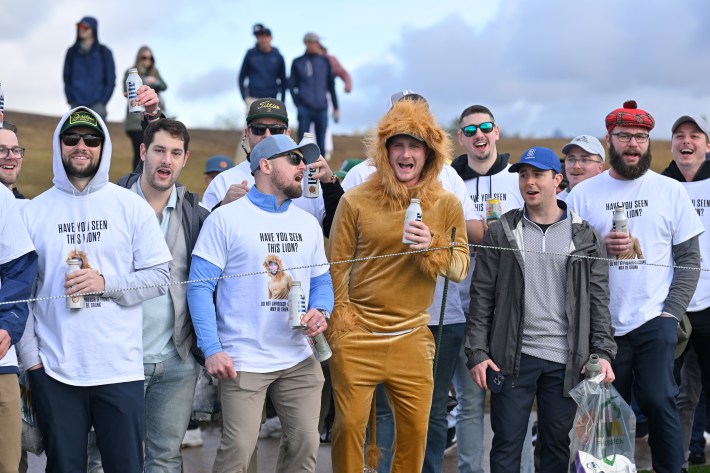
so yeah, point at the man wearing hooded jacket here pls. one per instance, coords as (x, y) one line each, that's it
(379, 325)
(87, 364)
(89, 70)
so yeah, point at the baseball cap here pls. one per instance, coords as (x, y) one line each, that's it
(588, 143)
(217, 163)
(311, 38)
(82, 117)
(261, 29)
(699, 122)
(404, 95)
(280, 144)
(267, 108)
(539, 157)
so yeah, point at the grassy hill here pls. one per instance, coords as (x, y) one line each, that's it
(36, 133)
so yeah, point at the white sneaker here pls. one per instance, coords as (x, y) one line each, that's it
(270, 428)
(193, 438)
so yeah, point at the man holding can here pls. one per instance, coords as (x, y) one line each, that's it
(244, 332)
(379, 327)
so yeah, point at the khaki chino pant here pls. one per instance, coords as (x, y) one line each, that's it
(10, 423)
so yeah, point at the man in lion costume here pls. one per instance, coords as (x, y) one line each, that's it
(279, 282)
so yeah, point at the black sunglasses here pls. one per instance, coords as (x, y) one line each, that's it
(485, 127)
(293, 158)
(259, 129)
(72, 139)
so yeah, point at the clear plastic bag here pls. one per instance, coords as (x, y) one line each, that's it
(604, 433)
(31, 436)
(205, 404)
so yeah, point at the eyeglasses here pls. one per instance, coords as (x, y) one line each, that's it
(293, 158)
(485, 127)
(626, 137)
(92, 141)
(582, 161)
(16, 151)
(259, 129)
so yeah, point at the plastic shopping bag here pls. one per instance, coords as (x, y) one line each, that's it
(205, 404)
(604, 432)
(31, 436)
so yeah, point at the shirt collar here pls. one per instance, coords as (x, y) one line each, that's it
(267, 202)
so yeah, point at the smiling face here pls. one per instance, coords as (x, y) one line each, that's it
(481, 147)
(407, 157)
(538, 187)
(581, 165)
(81, 161)
(689, 145)
(253, 139)
(10, 165)
(164, 160)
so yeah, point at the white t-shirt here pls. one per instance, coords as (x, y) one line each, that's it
(252, 311)
(503, 186)
(660, 215)
(699, 193)
(242, 172)
(452, 182)
(14, 242)
(118, 234)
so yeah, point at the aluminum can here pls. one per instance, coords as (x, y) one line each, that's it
(296, 305)
(2, 103)
(493, 210)
(311, 187)
(414, 212)
(320, 347)
(619, 222)
(133, 83)
(74, 302)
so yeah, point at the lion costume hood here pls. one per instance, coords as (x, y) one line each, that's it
(409, 118)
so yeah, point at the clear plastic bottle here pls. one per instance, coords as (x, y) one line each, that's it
(414, 212)
(133, 83)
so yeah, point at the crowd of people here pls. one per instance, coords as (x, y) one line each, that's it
(502, 284)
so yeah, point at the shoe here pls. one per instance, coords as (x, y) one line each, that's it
(696, 458)
(193, 438)
(270, 428)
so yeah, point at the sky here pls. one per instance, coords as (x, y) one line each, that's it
(545, 67)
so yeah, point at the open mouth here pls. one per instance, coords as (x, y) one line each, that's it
(480, 144)
(407, 166)
(164, 172)
(8, 166)
(686, 151)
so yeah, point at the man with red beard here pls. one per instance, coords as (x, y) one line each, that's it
(649, 293)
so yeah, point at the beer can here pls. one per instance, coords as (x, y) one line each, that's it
(414, 212)
(493, 210)
(133, 83)
(296, 306)
(320, 347)
(2, 103)
(75, 301)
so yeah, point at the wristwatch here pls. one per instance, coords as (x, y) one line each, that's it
(325, 313)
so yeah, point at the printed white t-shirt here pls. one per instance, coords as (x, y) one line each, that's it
(252, 311)
(116, 233)
(699, 193)
(242, 172)
(14, 242)
(660, 215)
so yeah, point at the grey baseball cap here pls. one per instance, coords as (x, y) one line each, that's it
(699, 122)
(588, 143)
(279, 144)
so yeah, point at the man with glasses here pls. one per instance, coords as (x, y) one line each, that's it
(268, 117)
(485, 172)
(11, 154)
(584, 158)
(86, 362)
(649, 293)
(244, 331)
(89, 70)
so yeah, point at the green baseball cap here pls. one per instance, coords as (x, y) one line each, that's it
(81, 117)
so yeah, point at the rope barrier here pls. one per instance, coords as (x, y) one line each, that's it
(448, 247)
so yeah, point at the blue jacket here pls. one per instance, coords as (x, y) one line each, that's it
(266, 73)
(311, 78)
(89, 77)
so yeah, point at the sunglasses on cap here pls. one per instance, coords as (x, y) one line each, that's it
(72, 139)
(259, 129)
(485, 127)
(293, 158)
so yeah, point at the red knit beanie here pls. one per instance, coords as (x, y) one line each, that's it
(629, 115)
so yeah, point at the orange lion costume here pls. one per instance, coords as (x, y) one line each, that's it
(378, 330)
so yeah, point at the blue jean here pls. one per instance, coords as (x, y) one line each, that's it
(644, 363)
(169, 390)
(451, 342)
(510, 416)
(470, 415)
(319, 118)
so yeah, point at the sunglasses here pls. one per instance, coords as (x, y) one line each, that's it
(293, 158)
(143, 58)
(72, 139)
(485, 127)
(259, 129)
